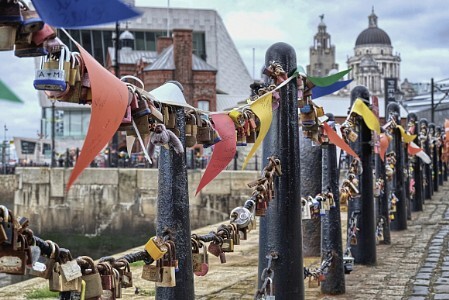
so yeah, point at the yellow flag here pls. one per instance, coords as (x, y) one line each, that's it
(405, 136)
(263, 110)
(359, 107)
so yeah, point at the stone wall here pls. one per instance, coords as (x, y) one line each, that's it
(7, 188)
(118, 200)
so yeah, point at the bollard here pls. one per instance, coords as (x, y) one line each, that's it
(383, 215)
(439, 146)
(331, 222)
(416, 166)
(280, 229)
(427, 172)
(173, 214)
(310, 186)
(434, 156)
(398, 188)
(364, 252)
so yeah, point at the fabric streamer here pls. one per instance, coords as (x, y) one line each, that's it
(262, 108)
(319, 91)
(224, 151)
(405, 136)
(81, 13)
(359, 107)
(414, 149)
(109, 101)
(328, 80)
(338, 141)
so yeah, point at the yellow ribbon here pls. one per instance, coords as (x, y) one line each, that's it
(359, 107)
(263, 110)
(405, 136)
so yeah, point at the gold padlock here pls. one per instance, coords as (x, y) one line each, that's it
(156, 247)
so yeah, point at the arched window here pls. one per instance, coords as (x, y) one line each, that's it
(203, 105)
(382, 52)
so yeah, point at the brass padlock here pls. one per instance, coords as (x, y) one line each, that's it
(13, 259)
(197, 257)
(5, 227)
(168, 278)
(92, 279)
(152, 272)
(125, 274)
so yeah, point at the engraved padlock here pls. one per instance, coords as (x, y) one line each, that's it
(204, 266)
(53, 77)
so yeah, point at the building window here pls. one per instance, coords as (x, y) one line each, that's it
(382, 52)
(199, 44)
(203, 105)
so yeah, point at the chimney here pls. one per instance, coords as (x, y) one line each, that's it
(162, 43)
(182, 52)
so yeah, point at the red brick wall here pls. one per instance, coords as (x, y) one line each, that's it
(162, 43)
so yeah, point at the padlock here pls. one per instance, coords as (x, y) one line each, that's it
(234, 233)
(269, 295)
(107, 277)
(125, 274)
(13, 259)
(53, 77)
(305, 209)
(261, 207)
(118, 283)
(237, 117)
(348, 263)
(197, 257)
(10, 20)
(31, 20)
(169, 117)
(191, 128)
(156, 247)
(168, 278)
(57, 282)
(5, 227)
(241, 216)
(46, 34)
(228, 241)
(70, 269)
(44, 265)
(74, 295)
(172, 248)
(92, 279)
(152, 272)
(204, 266)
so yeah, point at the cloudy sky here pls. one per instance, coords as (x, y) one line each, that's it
(418, 30)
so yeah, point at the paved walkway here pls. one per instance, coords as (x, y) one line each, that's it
(415, 266)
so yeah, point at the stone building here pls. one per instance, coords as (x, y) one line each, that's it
(322, 53)
(373, 58)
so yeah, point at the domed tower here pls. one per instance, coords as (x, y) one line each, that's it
(322, 53)
(373, 58)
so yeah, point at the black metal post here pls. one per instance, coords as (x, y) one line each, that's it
(331, 222)
(424, 139)
(53, 133)
(443, 139)
(382, 200)
(407, 174)
(439, 147)
(173, 214)
(432, 105)
(363, 207)
(417, 199)
(434, 156)
(398, 188)
(310, 186)
(280, 229)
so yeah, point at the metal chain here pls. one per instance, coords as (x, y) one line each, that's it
(267, 277)
(325, 264)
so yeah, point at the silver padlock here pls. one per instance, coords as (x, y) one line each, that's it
(241, 216)
(269, 296)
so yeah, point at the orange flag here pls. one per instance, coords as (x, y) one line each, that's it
(384, 142)
(338, 141)
(224, 150)
(109, 101)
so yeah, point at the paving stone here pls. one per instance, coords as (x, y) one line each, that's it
(430, 265)
(416, 298)
(423, 275)
(442, 281)
(426, 270)
(440, 289)
(420, 290)
(441, 297)
(422, 282)
(432, 259)
(445, 274)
